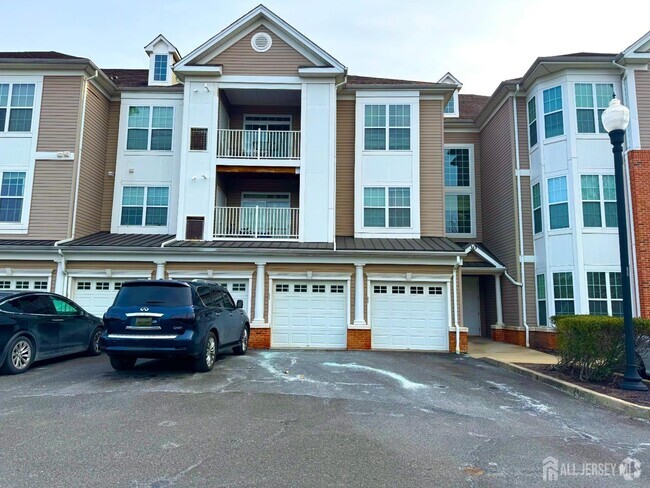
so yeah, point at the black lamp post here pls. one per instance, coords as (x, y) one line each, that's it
(615, 120)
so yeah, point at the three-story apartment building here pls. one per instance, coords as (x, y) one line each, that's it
(345, 211)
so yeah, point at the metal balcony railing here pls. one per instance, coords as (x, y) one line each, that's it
(256, 222)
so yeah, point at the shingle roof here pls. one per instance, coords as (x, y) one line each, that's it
(424, 244)
(36, 55)
(131, 78)
(471, 105)
(106, 239)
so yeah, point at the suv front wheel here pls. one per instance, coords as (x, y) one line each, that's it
(208, 355)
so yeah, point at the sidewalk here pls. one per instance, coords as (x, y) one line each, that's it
(481, 347)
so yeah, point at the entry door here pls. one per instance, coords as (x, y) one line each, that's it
(266, 214)
(471, 305)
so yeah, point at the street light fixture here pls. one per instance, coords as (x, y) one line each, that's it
(615, 120)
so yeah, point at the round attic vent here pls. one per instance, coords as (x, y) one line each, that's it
(261, 42)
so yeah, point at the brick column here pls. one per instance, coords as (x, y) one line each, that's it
(639, 169)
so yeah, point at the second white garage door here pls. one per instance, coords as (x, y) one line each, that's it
(309, 314)
(407, 316)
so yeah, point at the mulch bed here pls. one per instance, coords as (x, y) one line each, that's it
(612, 389)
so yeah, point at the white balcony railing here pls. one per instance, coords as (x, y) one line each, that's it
(258, 144)
(256, 222)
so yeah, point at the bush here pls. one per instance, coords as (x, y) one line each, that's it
(593, 347)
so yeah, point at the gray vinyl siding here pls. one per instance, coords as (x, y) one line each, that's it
(642, 81)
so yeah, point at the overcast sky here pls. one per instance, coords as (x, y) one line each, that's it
(479, 42)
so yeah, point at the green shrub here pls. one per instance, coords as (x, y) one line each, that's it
(593, 346)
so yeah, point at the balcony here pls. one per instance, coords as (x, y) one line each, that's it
(256, 223)
(258, 144)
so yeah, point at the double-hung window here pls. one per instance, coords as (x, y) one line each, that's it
(598, 207)
(591, 102)
(160, 67)
(387, 127)
(605, 292)
(459, 190)
(12, 192)
(376, 212)
(16, 107)
(553, 115)
(563, 293)
(537, 209)
(150, 128)
(142, 205)
(558, 203)
(532, 122)
(541, 300)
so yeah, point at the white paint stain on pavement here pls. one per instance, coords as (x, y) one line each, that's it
(530, 404)
(405, 383)
(286, 375)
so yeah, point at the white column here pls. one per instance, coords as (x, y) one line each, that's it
(160, 270)
(497, 293)
(358, 295)
(59, 286)
(259, 294)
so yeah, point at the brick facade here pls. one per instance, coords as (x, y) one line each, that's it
(359, 339)
(463, 342)
(260, 339)
(639, 166)
(539, 339)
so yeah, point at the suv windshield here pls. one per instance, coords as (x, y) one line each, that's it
(140, 294)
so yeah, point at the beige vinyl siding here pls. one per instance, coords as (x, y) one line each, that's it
(51, 208)
(642, 82)
(144, 266)
(345, 120)
(499, 209)
(522, 122)
(241, 59)
(111, 158)
(93, 163)
(60, 111)
(237, 113)
(472, 138)
(432, 221)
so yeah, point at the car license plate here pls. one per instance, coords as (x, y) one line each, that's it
(143, 321)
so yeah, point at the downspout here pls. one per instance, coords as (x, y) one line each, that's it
(520, 218)
(81, 144)
(64, 271)
(456, 266)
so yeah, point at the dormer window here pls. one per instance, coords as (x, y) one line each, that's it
(160, 67)
(451, 109)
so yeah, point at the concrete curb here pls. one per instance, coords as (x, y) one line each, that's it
(611, 403)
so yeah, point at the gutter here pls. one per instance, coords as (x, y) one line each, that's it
(81, 143)
(456, 326)
(520, 219)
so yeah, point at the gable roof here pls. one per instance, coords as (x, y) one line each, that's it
(170, 47)
(249, 21)
(449, 78)
(638, 51)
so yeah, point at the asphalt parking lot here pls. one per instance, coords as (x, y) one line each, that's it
(303, 418)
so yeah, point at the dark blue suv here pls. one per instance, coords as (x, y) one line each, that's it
(166, 318)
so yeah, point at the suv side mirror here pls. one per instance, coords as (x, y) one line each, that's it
(239, 304)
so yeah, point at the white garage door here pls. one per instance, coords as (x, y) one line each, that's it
(95, 295)
(409, 316)
(238, 290)
(309, 314)
(24, 283)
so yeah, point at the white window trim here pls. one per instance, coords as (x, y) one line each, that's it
(541, 207)
(189, 141)
(24, 212)
(149, 130)
(549, 205)
(386, 207)
(601, 201)
(545, 299)
(9, 108)
(456, 112)
(594, 109)
(387, 128)
(165, 81)
(544, 113)
(144, 207)
(530, 122)
(461, 190)
(609, 299)
(551, 293)
(152, 64)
